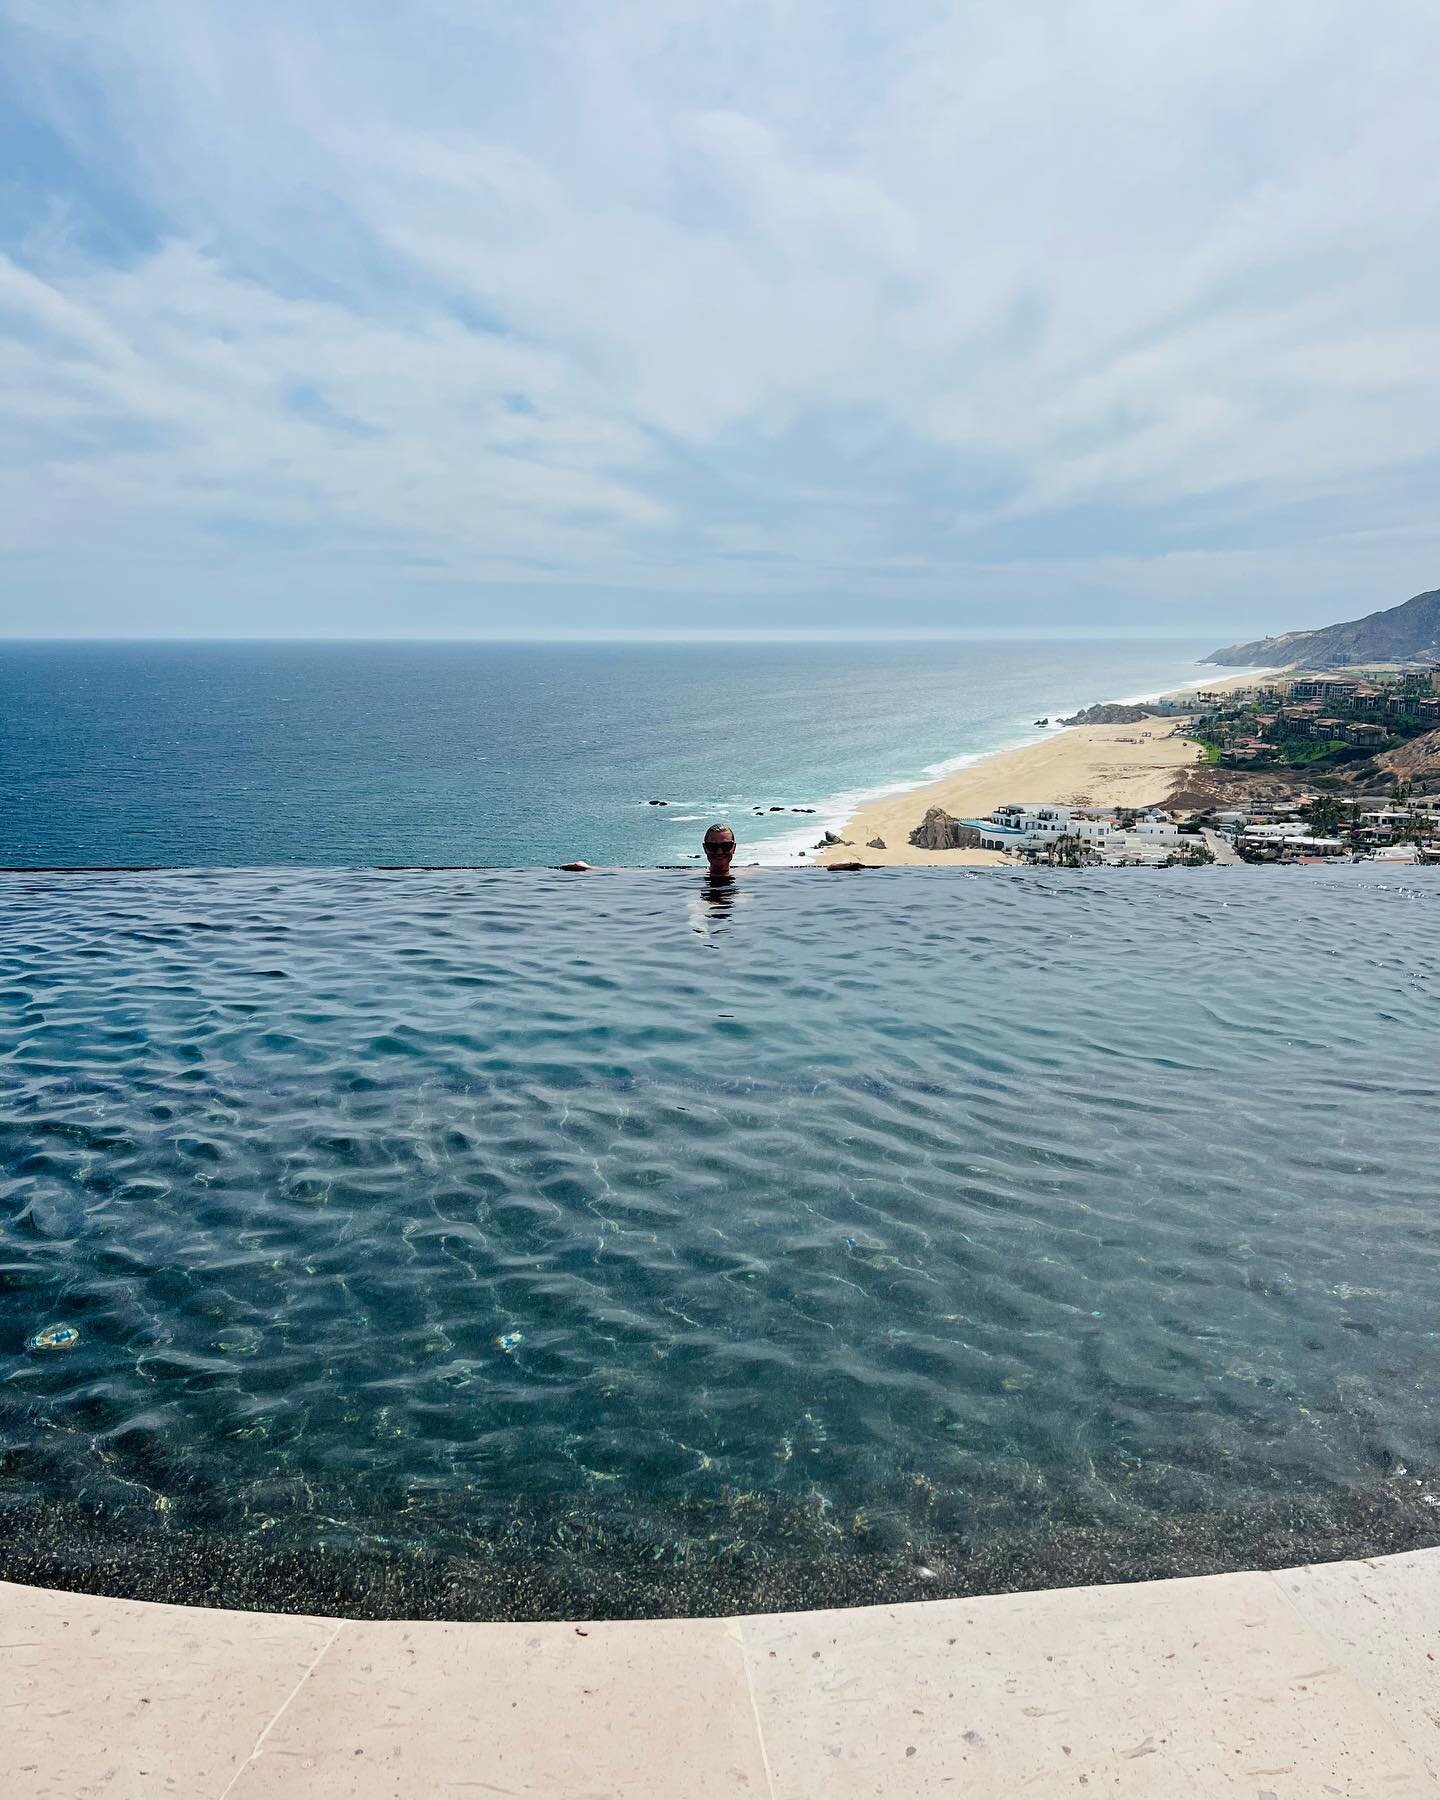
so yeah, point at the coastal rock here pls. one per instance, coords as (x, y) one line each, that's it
(1113, 713)
(940, 831)
(657, 802)
(936, 831)
(1042, 721)
(875, 844)
(777, 809)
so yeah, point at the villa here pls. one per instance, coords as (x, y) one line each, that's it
(1150, 836)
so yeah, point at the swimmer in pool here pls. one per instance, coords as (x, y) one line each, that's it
(719, 847)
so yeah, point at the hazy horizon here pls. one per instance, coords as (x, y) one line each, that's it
(619, 635)
(331, 321)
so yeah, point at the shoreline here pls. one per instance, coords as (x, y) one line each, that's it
(1088, 765)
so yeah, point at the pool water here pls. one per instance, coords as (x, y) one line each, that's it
(511, 1243)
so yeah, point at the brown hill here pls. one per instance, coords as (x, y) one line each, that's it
(1417, 761)
(1407, 633)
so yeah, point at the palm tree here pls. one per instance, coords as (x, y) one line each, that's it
(1322, 816)
(1069, 851)
(1195, 854)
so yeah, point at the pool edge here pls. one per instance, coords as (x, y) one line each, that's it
(1254, 1683)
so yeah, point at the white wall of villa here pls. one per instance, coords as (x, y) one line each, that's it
(1017, 828)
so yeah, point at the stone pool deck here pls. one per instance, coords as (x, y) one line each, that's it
(1294, 1685)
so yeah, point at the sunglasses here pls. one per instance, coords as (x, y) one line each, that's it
(719, 846)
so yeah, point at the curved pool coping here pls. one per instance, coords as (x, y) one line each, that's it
(1285, 1685)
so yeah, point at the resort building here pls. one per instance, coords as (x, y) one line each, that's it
(1288, 843)
(1134, 849)
(1115, 836)
(1026, 829)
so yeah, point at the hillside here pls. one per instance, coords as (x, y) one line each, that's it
(1407, 633)
(1416, 763)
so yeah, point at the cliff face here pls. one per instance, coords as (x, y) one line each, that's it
(1408, 633)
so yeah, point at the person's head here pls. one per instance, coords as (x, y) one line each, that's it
(719, 848)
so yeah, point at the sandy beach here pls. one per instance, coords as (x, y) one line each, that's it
(1086, 765)
(1083, 765)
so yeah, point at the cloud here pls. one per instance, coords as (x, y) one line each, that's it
(677, 313)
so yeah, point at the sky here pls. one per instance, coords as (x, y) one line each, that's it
(453, 318)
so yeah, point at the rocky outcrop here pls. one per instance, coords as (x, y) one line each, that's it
(875, 844)
(1114, 713)
(939, 831)
(936, 831)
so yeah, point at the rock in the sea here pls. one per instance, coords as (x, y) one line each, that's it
(875, 844)
(777, 809)
(657, 802)
(1042, 721)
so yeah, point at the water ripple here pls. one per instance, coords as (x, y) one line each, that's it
(473, 1213)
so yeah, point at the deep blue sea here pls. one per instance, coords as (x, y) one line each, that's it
(489, 1243)
(472, 753)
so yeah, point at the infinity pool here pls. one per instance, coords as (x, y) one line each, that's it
(517, 1244)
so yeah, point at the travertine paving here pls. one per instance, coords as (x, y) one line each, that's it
(1299, 1685)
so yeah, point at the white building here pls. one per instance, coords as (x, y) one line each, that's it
(1037, 827)
(1292, 841)
(1133, 849)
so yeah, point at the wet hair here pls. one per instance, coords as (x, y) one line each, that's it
(712, 835)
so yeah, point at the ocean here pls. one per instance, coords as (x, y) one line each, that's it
(257, 754)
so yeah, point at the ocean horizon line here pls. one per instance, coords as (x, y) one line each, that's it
(839, 635)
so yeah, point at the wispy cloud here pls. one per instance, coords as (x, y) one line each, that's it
(322, 316)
